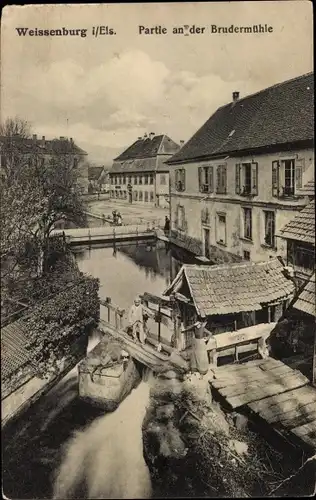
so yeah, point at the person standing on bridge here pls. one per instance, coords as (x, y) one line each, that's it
(119, 219)
(137, 315)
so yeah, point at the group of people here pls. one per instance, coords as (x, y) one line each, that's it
(117, 218)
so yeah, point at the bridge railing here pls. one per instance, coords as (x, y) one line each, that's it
(115, 314)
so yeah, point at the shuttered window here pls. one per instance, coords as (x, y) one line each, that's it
(206, 179)
(180, 179)
(221, 180)
(275, 178)
(246, 181)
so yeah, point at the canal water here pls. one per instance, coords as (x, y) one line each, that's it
(64, 449)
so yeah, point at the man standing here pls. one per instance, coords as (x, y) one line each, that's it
(166, 226)
(137, 316)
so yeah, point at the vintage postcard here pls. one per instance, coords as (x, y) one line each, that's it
(157, 232)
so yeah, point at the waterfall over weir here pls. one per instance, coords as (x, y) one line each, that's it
(106, 459)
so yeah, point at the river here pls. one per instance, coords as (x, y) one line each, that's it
(60, 447)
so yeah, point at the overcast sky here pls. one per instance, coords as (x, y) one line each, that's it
(112, 89)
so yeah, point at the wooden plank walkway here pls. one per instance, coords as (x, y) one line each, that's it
(79, 236)
(145, 354)
(279, 395)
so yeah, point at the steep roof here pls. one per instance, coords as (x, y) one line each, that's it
(94, 173)
(281, 114)
(42, 146)
(229, 289)
(302, 226)
(148, 148)
(14, 354)
(306, 301)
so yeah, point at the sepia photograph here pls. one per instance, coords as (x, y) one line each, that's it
(157, 229)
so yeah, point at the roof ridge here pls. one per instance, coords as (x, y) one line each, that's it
(275, 85)
(231, 265)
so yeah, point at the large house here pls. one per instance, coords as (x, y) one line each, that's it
(46, 149)
(140, 174)
(238, 180)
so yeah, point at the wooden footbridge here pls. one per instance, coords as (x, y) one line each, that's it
(147, 354)
(106, 234)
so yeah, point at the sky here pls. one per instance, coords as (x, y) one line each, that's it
(106, 91)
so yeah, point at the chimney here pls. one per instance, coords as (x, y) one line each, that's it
(43, 138)
(139, 138)
(71, 140)
(145, 136)
(181, 143)
(151, 135)
(34, 137)
(235, 96)
(62, 138)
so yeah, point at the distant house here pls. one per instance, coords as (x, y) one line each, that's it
(140, 174)
(45, 149)
(239, 178)
(236, 297)
(98, 178)
(299, 234)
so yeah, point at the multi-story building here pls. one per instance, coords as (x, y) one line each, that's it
(45, 149)
(140, 174)
(238, 180)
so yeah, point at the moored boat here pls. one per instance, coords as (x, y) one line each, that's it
(107, 375)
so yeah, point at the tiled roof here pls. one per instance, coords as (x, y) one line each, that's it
(147, 148)
(14, 355)
(94, 173)
(306, 301)
(41, 146)
(302, 226)
(229, 289)
(280, 114)
(308, 188)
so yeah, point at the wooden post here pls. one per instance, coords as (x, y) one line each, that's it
(159, 324)
(108, 300)
(116, 319)
(269, 314)
(314, 362)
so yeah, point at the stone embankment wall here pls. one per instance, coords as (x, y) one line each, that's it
(192, 448)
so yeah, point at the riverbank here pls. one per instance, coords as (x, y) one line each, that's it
(187, 435)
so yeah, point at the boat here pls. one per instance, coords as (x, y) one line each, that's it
(107, 375)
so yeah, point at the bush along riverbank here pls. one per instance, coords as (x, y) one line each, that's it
(193, 449)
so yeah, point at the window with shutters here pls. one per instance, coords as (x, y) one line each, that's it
(221, 228)
(163, 179)
(135, 195)
(146, 196)
(123, 179)
(140, 180)
(206, 181)
(247, 179)
(151, 194)
(146, 179)
(180, 217)
(269, 228)
(221, 179)
(287, 177)
(135, 180)
(140, 195)
(151, 179)
(247, 223)
(180, 179)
